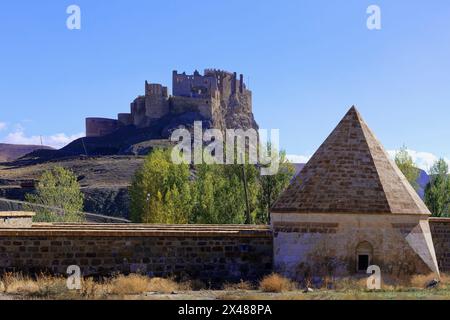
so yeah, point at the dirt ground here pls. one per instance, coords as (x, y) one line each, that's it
(434, 294)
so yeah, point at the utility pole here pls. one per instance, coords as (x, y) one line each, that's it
(84, 146)
(244, 176)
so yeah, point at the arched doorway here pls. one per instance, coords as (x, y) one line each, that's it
(364, 253)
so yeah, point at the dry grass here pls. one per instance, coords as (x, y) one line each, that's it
(43, 286)
(271, 287)
(346, 284)
(192, 285)
(242, 285)
(91, 289)
(162, 285)
(131, 284)
(50, 286)
(276, 283)
(18, 284)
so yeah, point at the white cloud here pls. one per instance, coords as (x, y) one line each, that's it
(424, 160)
(295, 158)
(2, 126)
(56, 141)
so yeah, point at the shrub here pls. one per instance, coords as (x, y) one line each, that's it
(163, 285)
(276, 283)
(131, 284)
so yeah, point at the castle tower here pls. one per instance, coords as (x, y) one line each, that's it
(156, 101)
(351, 206)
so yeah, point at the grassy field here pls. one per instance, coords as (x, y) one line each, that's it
(274, 287)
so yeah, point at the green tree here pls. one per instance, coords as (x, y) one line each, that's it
(273, 185)
(160, 191)
(437, 191)
(58, 197)
(164, 192)
(220, 194)
(407, 166)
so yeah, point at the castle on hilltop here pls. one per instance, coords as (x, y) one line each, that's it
(217, 96)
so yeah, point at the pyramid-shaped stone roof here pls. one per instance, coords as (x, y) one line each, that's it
(351, 173)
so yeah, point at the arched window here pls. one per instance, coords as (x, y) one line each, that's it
(364, 253)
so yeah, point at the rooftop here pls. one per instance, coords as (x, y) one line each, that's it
(351, 173)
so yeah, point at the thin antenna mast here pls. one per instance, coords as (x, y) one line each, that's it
(84, 147)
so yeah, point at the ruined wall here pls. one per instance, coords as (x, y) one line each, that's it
(156, 101)
(156, 107)
(210, 253)
(194, 85)
(97, 127)
(125, 119)
(440, 230)
(205, 107)
(138, 111)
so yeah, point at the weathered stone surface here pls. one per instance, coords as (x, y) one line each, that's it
(209, 253)
(15, 219)
(440, 231)
(351, 173)
(327, 245)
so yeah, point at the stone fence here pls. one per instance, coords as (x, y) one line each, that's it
(213, 253)
(440, 231)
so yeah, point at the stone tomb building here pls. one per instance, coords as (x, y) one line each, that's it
(351, 207)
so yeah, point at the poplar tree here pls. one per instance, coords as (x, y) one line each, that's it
(437, 191)
(405, 163)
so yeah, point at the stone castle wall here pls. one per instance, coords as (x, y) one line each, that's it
(97, 127)
(205, 107)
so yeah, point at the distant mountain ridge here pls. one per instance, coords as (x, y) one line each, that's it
(10, 152)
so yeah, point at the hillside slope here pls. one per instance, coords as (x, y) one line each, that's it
(10, 152)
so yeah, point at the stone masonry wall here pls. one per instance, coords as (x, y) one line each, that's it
(213, 255)
(440, 231)
(209, 253)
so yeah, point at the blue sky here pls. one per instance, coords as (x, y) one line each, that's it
(307, 62)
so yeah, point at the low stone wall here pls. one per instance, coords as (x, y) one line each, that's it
(210, 253)
(440, 231)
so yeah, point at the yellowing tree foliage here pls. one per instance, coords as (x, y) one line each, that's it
(58, 197)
